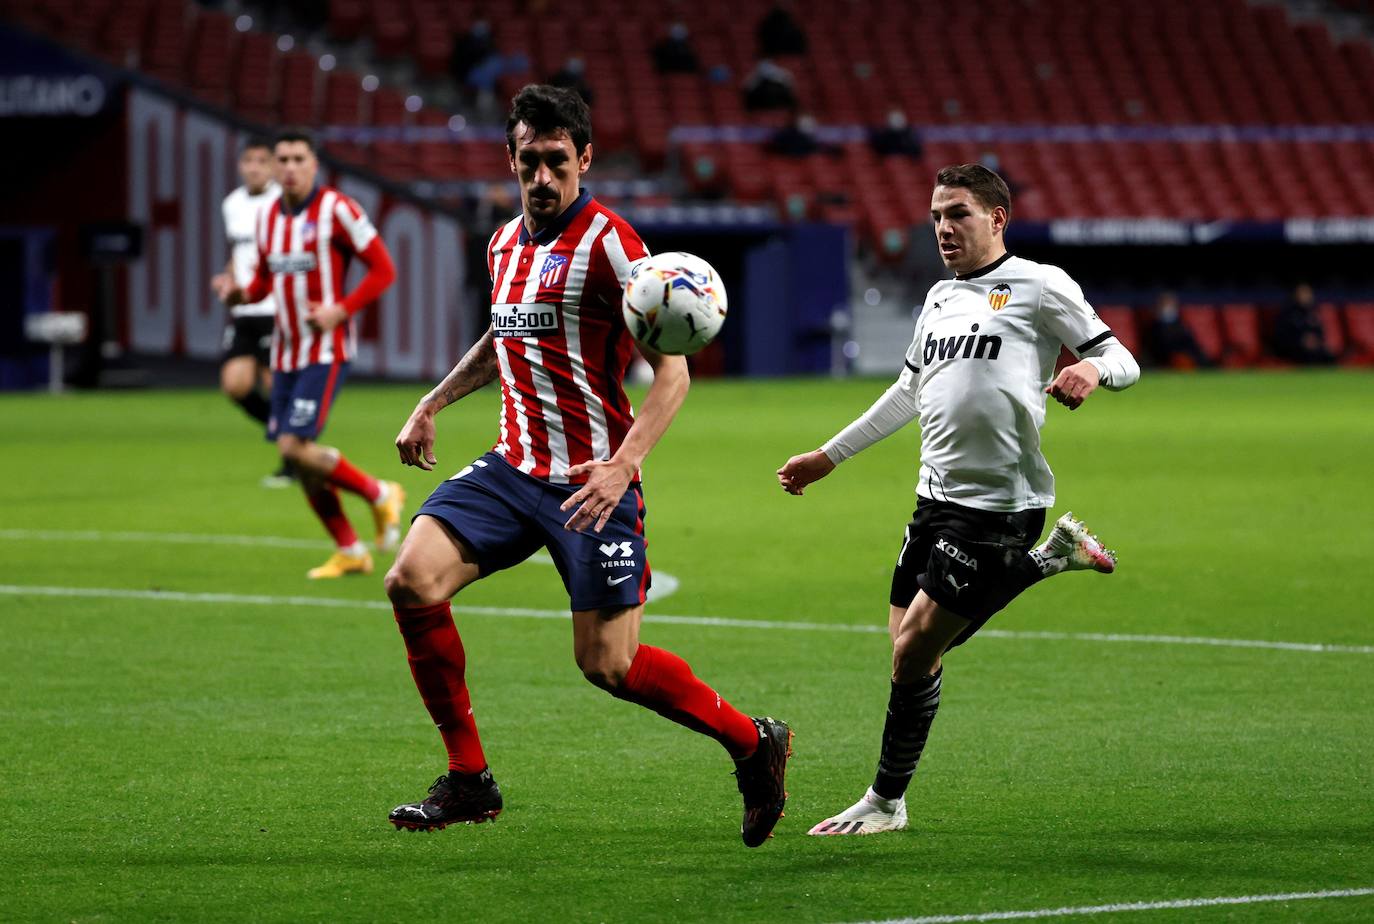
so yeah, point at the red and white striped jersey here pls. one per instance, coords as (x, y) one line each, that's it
(561, 342)
(306, 251)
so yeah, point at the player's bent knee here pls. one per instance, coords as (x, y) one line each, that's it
(605, 672)
(407, 586)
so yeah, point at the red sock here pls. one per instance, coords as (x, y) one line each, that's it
(438, 663)
(663, 682)
(330, 511)
(352, 479)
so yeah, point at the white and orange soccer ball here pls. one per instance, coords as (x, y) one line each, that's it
(674, 303)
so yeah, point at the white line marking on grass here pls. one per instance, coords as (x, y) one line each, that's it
(665, 584)
(178, 596)
(1126, 906)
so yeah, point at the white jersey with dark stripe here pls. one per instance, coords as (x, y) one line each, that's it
(561, 344)
(240, 210)
(984, 352)
(307, 251)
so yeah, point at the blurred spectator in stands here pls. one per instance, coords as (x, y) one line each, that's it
(769, 86)
(1298, 333)
(471, 49)
(797, 138)
(1171, 342)
(990, 160)
(573, 75)
(779, 34)
(674, 53)
(496, 205)
(896, 137)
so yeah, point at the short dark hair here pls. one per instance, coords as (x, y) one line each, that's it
(297, 134)
(256, 141)
(986, 186)
(547, 109)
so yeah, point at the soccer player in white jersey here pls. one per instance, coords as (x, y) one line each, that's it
(976, 377)
(245, 376)
(564, 475)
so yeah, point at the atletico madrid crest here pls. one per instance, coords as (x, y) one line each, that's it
(554, 269)
(999, 296)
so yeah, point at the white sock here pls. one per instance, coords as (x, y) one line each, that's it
(383, 492)
(878, 802)
(356, 550)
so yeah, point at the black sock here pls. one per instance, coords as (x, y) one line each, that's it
(255, 406)
(910, 711)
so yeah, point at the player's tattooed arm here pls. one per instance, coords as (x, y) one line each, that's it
(415, 442)
(475, 370)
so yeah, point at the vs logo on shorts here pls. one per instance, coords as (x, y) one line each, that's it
(303, 412)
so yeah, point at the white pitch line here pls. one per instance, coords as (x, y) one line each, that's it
(664, 584)
(178, 596)
(1083, 910)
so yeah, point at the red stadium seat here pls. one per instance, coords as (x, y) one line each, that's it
(1332, 331)
(1359, 327)
(1122, 320)
(1240, 325)
(1205, 326)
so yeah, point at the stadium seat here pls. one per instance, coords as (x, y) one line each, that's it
(1122, 320)
(1332, 330)
(1205, 326)
(1240, 325)
(1359, 328)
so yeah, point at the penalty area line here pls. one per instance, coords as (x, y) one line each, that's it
(178, 596)
(1088, 910)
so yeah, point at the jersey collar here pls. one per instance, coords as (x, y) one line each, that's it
(558, 225)
(305, 203)
(983, 271)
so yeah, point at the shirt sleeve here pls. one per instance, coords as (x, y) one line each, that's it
(357, 227)
(1067, 315)
(894, 409)
(622, 247)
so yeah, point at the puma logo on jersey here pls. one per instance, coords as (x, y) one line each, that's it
(964, 346)
(942, 545)
(955, 584)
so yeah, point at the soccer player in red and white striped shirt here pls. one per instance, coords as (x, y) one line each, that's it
(306, 239)
(564, 475)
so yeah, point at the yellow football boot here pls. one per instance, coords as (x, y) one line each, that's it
(386, 513)
(341, 563)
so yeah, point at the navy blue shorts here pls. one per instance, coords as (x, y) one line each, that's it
(301, 400)
(505, 516)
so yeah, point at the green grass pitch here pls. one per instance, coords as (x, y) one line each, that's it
(227, 758)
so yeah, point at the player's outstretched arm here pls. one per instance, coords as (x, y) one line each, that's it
(1108, 364)
(895, 409)
(477, 368)
(607, 481)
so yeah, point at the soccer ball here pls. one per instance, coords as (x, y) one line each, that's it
(674, 303)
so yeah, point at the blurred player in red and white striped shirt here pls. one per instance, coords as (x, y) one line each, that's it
(564, 475)
(306, 239)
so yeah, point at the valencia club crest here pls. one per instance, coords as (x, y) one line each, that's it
(999, 296)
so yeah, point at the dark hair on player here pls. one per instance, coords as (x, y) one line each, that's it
(986, 186)
(256, 141)
(547, 109)
(297, 134)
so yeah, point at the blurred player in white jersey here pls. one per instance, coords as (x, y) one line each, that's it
(245, 376)
(976, 377)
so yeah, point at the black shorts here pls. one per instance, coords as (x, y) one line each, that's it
(966, 560)
(250, 335)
